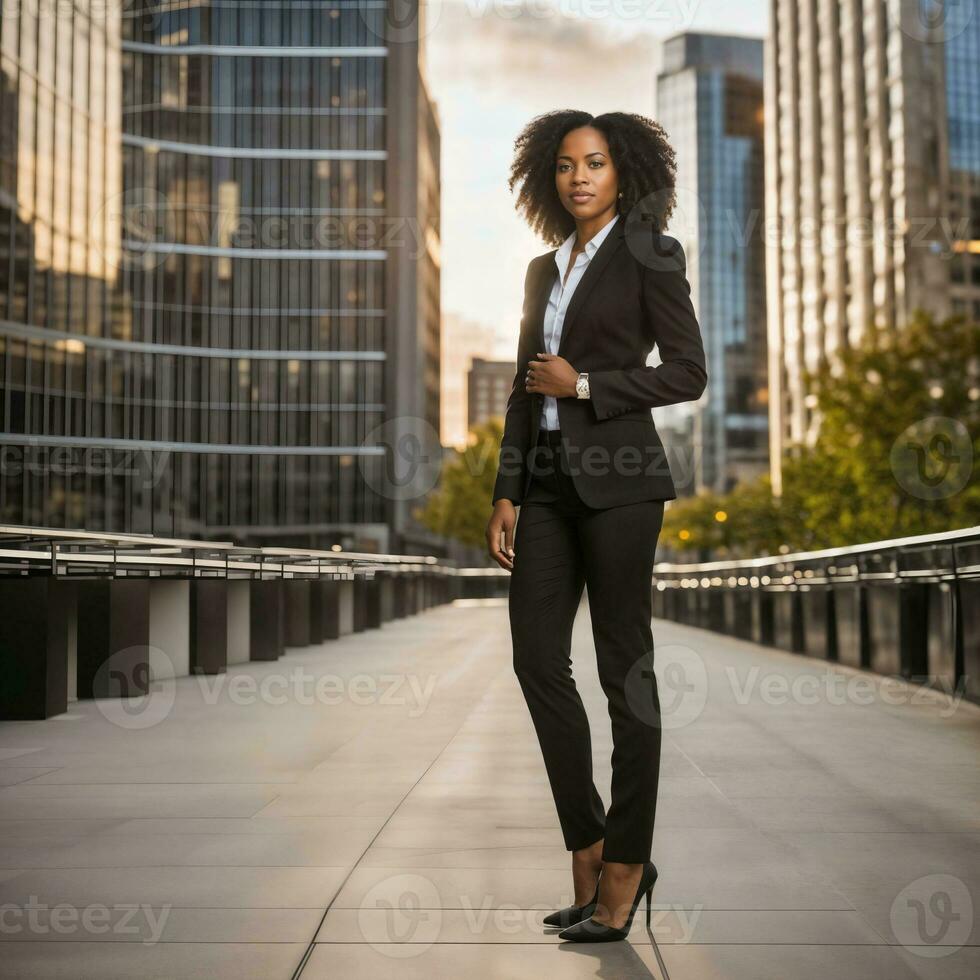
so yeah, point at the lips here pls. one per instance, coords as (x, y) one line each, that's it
(580, 198)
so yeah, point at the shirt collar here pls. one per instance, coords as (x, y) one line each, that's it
(565, 249)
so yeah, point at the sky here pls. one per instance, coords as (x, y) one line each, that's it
(492, 65)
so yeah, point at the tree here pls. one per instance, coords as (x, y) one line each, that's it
(895, 454)
(460, 506)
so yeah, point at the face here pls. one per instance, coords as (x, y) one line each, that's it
(585, 176)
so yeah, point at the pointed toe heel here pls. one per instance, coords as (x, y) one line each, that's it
(587, 930)
(572, 913)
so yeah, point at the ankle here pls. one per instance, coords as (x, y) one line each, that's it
(616, 871)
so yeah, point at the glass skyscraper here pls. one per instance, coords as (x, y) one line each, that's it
(251, 317)
(60, 167)
(709, 100)
(961, 30)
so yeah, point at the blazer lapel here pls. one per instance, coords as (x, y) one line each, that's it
(548, 275)
(590, 277)
(546, 281)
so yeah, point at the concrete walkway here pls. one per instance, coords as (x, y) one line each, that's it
(378, 807)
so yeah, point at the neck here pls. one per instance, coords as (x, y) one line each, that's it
(588, 227)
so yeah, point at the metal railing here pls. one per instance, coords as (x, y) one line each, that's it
(906, 607)
(82, 613)
(55, 551)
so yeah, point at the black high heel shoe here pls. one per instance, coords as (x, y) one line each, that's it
(572, 913)
(590, 931)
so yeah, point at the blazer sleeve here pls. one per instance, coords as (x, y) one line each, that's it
(514, 444)
(682, 375)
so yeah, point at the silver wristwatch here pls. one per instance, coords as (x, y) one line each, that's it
(582, 385)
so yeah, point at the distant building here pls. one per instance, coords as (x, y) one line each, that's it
(709, 101)
(488, 388)
(462, 340)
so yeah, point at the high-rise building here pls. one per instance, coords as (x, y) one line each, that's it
(60, 168)
(871, 161)
(489, 384)
(271, 269)
(961, 30)
(709, 101)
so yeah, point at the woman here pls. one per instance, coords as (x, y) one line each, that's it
(581, 455)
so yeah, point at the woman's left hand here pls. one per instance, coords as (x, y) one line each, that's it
(551, 375)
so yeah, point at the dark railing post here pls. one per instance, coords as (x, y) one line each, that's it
(209, 625)
(113, 637)
(266, 628)
(36, 626)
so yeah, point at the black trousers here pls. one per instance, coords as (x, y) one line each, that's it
(561, 545)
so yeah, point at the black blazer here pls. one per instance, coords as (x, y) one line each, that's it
(633, 294)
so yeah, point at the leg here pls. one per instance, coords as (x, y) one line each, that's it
(545, 589)
(618, 545)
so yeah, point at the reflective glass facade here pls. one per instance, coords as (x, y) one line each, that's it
(205, 303)
(962, 82)
(709, 99)
(60, 166)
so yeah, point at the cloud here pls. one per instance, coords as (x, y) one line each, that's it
(542, 58)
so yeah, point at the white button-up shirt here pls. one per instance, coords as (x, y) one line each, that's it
(561, 295)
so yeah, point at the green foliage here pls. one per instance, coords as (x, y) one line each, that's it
(460, 506)
(898, 443)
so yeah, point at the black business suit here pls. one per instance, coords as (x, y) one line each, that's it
(592, 498)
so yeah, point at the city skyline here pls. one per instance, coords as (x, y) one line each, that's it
(486, 88)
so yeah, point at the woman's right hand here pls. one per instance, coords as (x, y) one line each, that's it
(501, 526)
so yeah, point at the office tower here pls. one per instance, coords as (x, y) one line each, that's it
(489, 385)
(961, 30)
(871, 162)
(60, 168)
(709, 100)
(273, 303)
